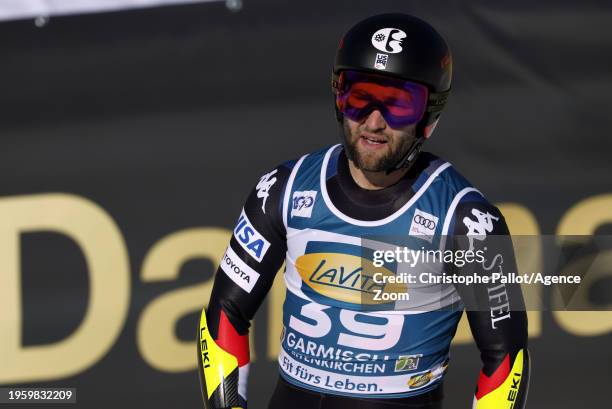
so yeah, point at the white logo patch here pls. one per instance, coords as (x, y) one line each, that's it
(478, 229)
(263, 187)
(238, 271)
(423, 225)
(407, 363)
(388, 40)
(381, 61)
(250, 239)
(302, 203)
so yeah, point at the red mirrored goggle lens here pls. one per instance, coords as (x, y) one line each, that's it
(400, 102)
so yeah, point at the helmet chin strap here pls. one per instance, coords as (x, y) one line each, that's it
(410, 157)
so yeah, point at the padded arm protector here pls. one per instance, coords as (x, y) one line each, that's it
(496, 312)
(220, 362)
(245, 275)
(507, 387)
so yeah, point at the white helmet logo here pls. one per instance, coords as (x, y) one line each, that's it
(388, 40)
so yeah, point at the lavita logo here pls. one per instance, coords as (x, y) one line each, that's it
(388, 40)
(250, 239)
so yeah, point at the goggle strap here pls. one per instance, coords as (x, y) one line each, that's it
(335, 82)
(436, 101)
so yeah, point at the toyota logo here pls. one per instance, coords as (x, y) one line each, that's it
(425, 222)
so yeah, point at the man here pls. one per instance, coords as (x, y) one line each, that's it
(339, 349)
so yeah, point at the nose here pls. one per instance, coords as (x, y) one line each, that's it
(375, 121)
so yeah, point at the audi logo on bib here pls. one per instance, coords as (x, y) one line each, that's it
(427, 223)
(423, 225)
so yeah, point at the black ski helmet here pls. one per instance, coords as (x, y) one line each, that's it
(401, 46)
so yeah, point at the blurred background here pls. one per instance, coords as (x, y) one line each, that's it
(130, 137)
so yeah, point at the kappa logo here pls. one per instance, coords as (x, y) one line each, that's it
(302, 203)
(423, 225)
(250, 239)
(478, 229)
(388, 40)
(263, 187)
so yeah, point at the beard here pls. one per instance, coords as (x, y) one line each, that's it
(373, 162)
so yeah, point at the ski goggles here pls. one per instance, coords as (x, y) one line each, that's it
(400, 102)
